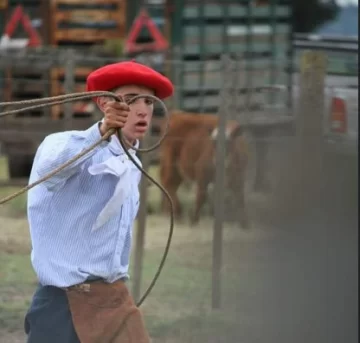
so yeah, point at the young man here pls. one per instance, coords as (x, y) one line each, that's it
(81, 219)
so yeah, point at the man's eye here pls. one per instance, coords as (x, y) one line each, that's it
(149, 101)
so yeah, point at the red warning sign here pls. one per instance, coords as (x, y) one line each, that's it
(19, 16)
(159, 43)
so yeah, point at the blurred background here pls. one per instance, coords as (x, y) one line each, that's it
(287, 71)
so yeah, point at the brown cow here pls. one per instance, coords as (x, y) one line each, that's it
(188, 154)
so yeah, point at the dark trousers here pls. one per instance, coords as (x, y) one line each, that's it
(48, 319)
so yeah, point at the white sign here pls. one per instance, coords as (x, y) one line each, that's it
(13, 43)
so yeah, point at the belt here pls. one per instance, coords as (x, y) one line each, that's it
(85, 287)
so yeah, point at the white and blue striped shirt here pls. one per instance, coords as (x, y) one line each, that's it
(63, 210)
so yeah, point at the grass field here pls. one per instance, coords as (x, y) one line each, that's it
(274, 283)
(179, 308)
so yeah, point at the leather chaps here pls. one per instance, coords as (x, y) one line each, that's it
(106, 313)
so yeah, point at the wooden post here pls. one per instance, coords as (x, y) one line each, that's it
(300, 172)
(220, 184)
(177, 77)
(69, 85)
(310, 125)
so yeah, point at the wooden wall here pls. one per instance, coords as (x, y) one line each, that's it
(25, 83)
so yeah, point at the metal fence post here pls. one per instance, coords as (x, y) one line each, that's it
(219, 187)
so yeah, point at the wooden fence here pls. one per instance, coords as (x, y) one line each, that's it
(68, 73)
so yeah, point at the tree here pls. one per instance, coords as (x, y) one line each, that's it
(308, 15)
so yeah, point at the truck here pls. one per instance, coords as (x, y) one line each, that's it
(341, 116)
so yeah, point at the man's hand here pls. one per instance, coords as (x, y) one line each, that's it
(115, 116)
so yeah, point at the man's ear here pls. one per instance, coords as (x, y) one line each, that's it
(101, 101)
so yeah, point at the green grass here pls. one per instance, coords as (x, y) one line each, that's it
(16, 287)
(16, 206)
(177, 310)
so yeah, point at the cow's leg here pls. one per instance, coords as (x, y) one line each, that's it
(201, 195)
(172, 190)
(170, 180)
(210, 201)
(165, 180)
(242, 213)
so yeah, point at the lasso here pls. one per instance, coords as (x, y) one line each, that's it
(62, 99)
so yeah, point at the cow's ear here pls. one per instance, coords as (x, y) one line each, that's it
(213, 133)
(237, 131)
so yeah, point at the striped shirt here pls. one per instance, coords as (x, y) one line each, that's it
(63, 209)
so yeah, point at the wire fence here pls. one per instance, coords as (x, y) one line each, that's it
(301, 201)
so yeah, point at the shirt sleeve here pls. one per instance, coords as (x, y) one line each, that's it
(59, 148)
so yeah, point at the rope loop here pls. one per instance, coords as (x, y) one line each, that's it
(62, 99)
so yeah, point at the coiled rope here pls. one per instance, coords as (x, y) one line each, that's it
(62, 99)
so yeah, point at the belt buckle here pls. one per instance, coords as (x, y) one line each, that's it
(84, 287)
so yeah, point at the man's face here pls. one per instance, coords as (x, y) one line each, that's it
(141, 111)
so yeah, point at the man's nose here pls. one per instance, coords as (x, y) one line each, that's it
(141, 113)
(142, 109)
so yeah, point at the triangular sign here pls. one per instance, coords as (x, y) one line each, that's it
(19, 16)
(143, 19)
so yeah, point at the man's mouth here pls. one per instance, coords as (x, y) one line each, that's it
(142, 124)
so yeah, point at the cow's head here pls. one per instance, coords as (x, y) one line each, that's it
(232, 131)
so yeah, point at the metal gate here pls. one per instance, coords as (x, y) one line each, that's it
(256, 33)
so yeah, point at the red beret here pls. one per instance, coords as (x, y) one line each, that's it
(126, 73)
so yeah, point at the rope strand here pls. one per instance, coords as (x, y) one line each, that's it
(62, 99)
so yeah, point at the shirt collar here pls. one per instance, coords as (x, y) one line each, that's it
(116, 148)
